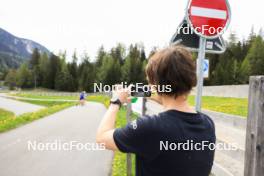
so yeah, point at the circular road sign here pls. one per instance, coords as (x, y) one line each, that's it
(208, 18)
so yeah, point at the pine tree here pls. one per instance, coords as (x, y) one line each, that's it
(35, 57)
(118, 53)
(11, 79)
(224, 71)
(256, 56)
(143, 60)
(25, 77)
(87, 74)
(43, 69)
(100, 56)
(53, 68)
(34, 65)
(73, 69)
(110, 71)
(64, 80)
(132, 71)
(244, 72)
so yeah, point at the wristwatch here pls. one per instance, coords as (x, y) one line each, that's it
(116, 101)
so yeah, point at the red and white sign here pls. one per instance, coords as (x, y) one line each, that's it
(209, 18)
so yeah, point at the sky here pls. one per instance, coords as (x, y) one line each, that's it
(85, 25)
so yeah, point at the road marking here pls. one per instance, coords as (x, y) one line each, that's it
(208, 13)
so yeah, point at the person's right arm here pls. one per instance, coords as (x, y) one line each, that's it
(136, 137)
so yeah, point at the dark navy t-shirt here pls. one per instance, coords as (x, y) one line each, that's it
(160, 144)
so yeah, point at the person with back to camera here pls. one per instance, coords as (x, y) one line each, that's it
(153, 138)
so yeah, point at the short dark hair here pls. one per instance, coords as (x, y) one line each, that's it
(172, 66)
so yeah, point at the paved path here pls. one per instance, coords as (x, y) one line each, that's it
(17, 107)
(37, 99)
(78, 123)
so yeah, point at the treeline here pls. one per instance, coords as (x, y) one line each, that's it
(241, 60)
(53, 72)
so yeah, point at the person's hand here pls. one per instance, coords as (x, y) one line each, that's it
(121, 93)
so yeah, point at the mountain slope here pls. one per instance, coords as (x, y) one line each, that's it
(15, 50)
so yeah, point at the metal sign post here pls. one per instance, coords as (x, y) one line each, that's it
(201, 56)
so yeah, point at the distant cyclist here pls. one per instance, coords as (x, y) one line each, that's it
(82, 98)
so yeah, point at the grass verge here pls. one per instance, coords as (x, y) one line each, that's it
(43, 103)
(43, 97)
(95, 98)
(119, 163)
(14, 122)
(9, 121)
(4, 114)
(234, 106)
(39, 96)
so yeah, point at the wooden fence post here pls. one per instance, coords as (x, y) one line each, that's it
(254, 154)
(129, 158)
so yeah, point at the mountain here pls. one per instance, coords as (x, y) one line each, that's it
(15, 50)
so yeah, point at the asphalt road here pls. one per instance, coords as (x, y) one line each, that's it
(17, 107)
(77, 124)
